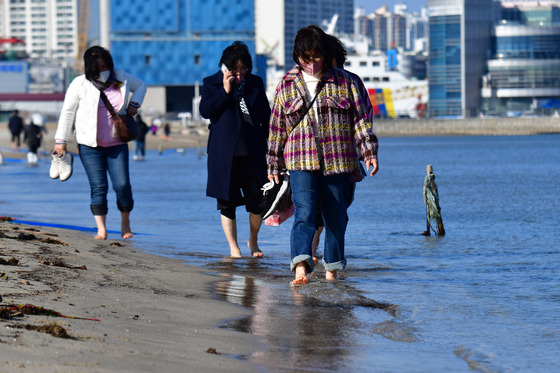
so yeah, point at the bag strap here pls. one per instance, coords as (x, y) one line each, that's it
(108, 104)
(310, 105)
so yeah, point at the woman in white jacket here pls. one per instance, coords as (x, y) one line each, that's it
(100, 151)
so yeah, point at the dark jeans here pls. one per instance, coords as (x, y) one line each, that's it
(16, 138)
(140, 148)
(308, 189)
(98, 162)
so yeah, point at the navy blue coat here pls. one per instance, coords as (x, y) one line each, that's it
(225, 124)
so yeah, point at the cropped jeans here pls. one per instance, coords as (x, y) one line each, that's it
(308, 188)
(98, 162)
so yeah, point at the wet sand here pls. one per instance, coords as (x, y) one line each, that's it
(154, 313)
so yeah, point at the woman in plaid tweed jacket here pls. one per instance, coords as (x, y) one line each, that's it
(319, 147)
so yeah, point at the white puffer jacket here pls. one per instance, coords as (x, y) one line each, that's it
(82, 100)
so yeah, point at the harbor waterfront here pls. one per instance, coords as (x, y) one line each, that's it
(484, 297)
(469, 126)
(195, 134)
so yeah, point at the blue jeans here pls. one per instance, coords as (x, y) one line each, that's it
(331, 192)
(140, 147)
(97, 162)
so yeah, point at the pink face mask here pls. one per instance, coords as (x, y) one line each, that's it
(312, 68)
(239, 78)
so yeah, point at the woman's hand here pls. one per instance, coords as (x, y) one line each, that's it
(274, 178)
(373, 163)
(59, 149)
(229, 78)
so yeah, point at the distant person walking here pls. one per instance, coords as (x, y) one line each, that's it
(34, 136)
(16, 127)
(101, 152)
(140, 142)
(235, 102)
(167, 130)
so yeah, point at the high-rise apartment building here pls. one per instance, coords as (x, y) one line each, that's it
(398, 29)
(459, 37)
(48, 27)
(277, 23)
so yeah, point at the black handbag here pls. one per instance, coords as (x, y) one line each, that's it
(126, 127)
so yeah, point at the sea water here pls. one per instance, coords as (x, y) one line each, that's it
(484, 297)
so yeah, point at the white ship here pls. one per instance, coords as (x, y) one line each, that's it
(388, 77)
(393, 91)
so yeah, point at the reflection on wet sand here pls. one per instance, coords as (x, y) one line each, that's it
(309, 327)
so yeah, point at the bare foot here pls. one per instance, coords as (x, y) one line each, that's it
(126, 232)
(255, 251)
(331, 276)
(300, 281)
(101, 234)
(126, 235)
(234, 252)
(301, 274)
(315, 260)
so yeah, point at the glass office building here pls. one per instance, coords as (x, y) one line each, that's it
(176, 43)
(459, 34)
(524, 68)
(444, 74)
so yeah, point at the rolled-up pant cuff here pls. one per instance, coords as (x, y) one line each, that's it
(336, 266)
(303, 258)
(99, 209)
(125, 208)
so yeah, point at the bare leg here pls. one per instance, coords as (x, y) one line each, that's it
(331, 276)
(126, 232)
(255, 222)
(230, 230)
(301, 274)
(315, 244)
(101, 228)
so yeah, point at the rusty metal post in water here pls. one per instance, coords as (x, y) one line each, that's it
(431, 199)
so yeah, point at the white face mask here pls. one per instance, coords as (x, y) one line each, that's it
(103, 76)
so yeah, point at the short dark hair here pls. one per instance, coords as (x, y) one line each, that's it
(90, 61)
(238, 50)
(339, 52)
(312, 39)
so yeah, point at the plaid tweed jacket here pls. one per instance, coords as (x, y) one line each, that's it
(343, 129)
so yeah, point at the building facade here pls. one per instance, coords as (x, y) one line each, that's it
(277, 23)
(49, 28)
(459, 43)
(173, 44)
(523, 72)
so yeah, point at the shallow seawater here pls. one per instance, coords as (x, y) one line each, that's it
(484, 297)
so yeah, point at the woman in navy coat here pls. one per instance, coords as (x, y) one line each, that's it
(235, 102)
